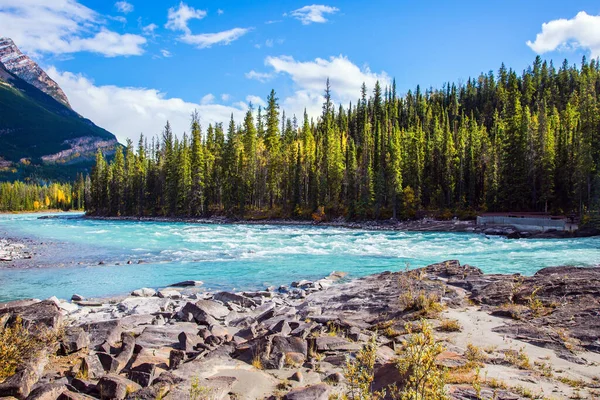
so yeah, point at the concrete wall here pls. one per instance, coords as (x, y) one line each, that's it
(525, 224)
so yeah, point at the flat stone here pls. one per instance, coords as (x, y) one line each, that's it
(169, 294)
(142, 374)
(212, 308)
(74, 339)
(103, 331)
(233, 298)
(314, 392)
(50, 391)
(187, 284)
(92, 367)
(144, 292)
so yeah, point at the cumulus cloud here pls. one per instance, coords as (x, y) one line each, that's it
(581, 31)
(63, 27)
(129, 111)
(313, 14)
(346, 78)
(149, 29)
(256, 101)
(124, 7)
(259, 76)
(206, 40)
(225, 97)
(177, 18)
(208, 99)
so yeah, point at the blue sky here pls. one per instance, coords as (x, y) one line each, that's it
(131, 65)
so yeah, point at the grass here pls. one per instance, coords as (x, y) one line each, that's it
(257, 362)
(450, 325)
(518, 358)
(18, 344)
(475, 356)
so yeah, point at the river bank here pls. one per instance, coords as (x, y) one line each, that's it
(503, 337)
(422, 225)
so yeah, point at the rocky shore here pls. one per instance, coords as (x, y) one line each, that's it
(499, 336)
(422, 225)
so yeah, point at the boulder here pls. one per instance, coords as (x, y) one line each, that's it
(115, 387)
(67, 395)
(74, 339)
(314, 392)
(169, 294)
(109, 364)
(144, 292)
(50, 391)
(77, 297)
(212, 308)
(158, 336)
(142, 374)
(232, 298)
(187, 284)
(45, 313)
(92, 367)
(176, 358)
(191, 312)
(103, 331)
(127, 347)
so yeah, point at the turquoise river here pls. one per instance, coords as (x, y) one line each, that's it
(240, 257)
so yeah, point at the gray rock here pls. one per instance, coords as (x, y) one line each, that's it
(176, 357)
(144, 292)
(103, 331)
(297, 376)
(212, 308)
(74, 339)
(92, 367)
(115, 387)
(127, 347)
(314, 392)
(109, 364)
(191, 310)
(169, 294)
(187, 284)
(142, 374)
(232, 298)
(21, 383)
(50, 391)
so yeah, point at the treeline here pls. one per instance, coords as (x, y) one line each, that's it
(20, 196)
(505, 141)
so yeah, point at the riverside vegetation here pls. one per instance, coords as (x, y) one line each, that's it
(476, 337)
(516, 142)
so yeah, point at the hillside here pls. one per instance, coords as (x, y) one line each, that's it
(40, 135)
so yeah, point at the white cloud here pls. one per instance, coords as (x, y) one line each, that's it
(345, 77)
(124, 7)
(581, 31)
(166, 53)
(259, 76)
(225, 97)
(208, 99)
(269, 43)
(256, 101)
(63, 27)
(149, 29)
(220, 12)
(313, 14)
(129, 111)
(206, 40)
(177, 19)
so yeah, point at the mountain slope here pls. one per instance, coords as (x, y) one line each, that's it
(42, 137)
(25, 68)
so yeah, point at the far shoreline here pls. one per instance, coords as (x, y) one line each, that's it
(423, 225)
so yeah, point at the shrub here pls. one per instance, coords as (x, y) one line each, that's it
(17, 344)
(359, 373)
(450, 325)
(474, 356)
(416, 360)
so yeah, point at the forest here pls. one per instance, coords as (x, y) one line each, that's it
(20, 196)
(504, 141)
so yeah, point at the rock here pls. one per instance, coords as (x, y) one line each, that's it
(233, 298)
(335, 378)
(188, 342)
(297, 376)
(143, 305)
(109, 364)
(385, 376)
(74, 339)
(83, 386)
(169, 294)
(187, 284)
(144, 292)
(326, 343)
(450, 360)
(159, 336)
(176, 357)
(127, 347)
(212, 308)
(315, 392)
(103, 331)
(282, 328)
(92, 367)
(21, 383)
(190, 310)
(67, 395)
(115, 387)
(142, 374)
(50, 391)
(45, 313)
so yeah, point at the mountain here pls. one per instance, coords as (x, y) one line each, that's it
(26, 69)
(41, 136)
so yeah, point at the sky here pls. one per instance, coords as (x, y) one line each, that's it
(131, 65)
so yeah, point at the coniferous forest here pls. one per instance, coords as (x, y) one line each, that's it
(501, 142)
